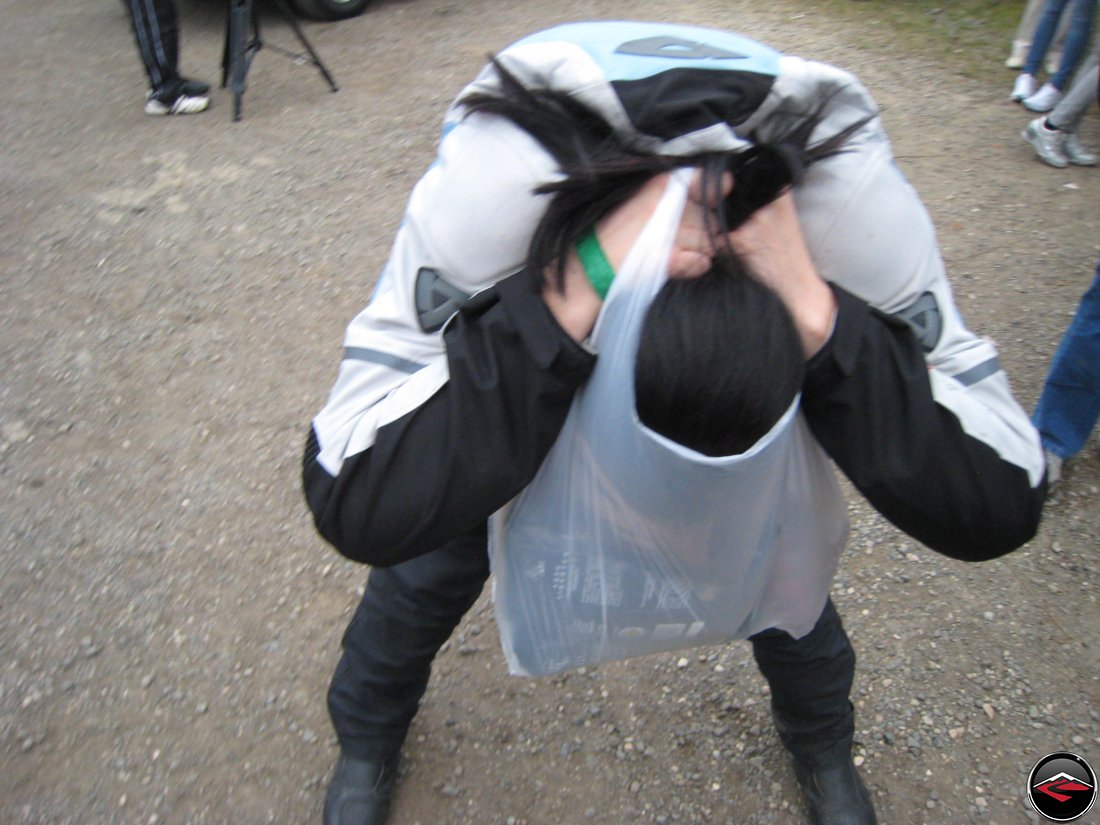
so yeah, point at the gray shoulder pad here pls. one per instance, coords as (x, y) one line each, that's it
(436, 300)
(923, 317)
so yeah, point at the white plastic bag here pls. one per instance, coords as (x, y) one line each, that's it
(626, 543)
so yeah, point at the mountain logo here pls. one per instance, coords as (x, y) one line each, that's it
(1062, 787)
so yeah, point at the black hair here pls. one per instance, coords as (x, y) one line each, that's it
(718, 362)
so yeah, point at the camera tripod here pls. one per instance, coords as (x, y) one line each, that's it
(242, 42)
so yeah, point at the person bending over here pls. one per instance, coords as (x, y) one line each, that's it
(457, 377)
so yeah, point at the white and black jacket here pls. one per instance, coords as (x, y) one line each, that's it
(456, 378)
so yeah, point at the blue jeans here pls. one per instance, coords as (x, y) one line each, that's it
(1070, 403)
(1077, 37)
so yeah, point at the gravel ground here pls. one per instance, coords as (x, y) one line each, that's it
(173, 298)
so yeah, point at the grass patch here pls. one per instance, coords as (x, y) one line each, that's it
(971, 37)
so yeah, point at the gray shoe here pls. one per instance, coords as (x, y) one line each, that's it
(1075, 153)
(1047, 143)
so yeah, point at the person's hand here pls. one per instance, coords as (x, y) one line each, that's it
(771, 244)
(694, 245)
(692, 251)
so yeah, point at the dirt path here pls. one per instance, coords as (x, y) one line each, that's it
(172, 301)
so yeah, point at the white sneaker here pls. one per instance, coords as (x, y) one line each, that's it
(1075, 153)
(1054, 469)
(1048, 143)
(1018, 54)
(1025, 87)
(1043, 100)
(181, 105)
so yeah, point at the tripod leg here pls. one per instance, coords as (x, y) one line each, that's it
(242, 47)
(227, 57)
(314, 57)
(240, 19)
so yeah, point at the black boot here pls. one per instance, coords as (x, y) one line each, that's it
(360, 790)
(835, 794)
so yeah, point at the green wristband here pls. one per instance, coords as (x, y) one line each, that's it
(596, 266)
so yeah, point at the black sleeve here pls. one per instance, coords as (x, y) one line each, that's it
(448, 465)
(868, 399)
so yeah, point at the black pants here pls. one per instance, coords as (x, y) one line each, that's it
(409, 610)
(156, 29)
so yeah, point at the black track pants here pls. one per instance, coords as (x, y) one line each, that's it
(810, 680)
(156, 29)
(407, 612)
